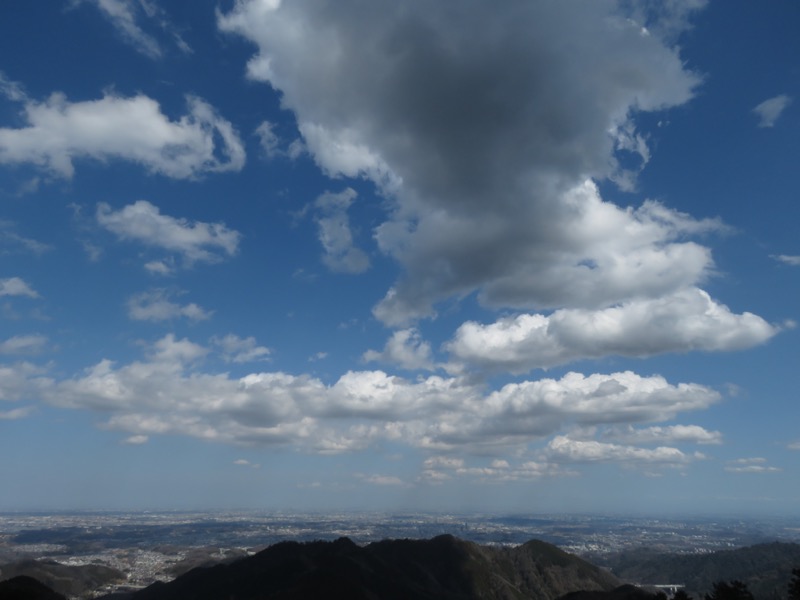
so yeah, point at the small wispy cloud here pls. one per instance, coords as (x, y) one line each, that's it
(156, 305)
(136, 440)
(750, 465)
(383, 480)
(787, 259)
(240, 350)
(23, 344)
(129, 18)
(770, 110)
(14, 286)
(16, 413)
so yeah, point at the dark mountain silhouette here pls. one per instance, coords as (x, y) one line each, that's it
(64, 579)
(765, 568)
(443, 568)
(23, 587)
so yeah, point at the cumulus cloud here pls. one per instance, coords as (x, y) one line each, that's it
(59, 132)
(240, 350)
(406, 349)
(670, 434)
(750, 465)
(22, 380)
(335, 234)
(438, 469)
(168, 393)
(194, 241)
(486, 143)
(564, 449)
(771, 109)
(14, 286)
(23, 344)
(156, 305)
(600, 256)
(685, 320)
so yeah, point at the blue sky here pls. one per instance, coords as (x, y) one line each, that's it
(507, 256)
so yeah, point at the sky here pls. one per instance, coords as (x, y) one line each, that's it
(510, 256)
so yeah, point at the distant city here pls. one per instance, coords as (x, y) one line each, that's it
(158, 546)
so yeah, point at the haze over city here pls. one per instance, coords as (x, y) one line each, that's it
(500, 256)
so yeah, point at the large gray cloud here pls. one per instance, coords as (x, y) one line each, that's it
(484, 122)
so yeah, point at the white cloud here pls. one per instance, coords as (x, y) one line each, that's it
(159, 267)
(241, 350)
(273, 145)
(443, 462)
(564, 449)
(155, 305)
(176, 353)
(194, 241)
(14, 286)
(664, 17)
(770, 110)
(14, 242)
(168, 393)
(671, 434)
(13, 90)
(750, 465)
(791, 260)
(794, 445)
(58, 132)
(22, 380)
(486, 144)
(679, 322)
(340, 154)
(129, 17)
(390, 480)
(136, 440)
(405, 349)
(122, 14)
(270, 142)
(23, 344)
(335, 233)
(438, 469)
(16, 413)
(243, 462)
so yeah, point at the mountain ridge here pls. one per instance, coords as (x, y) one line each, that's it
(443, 567)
